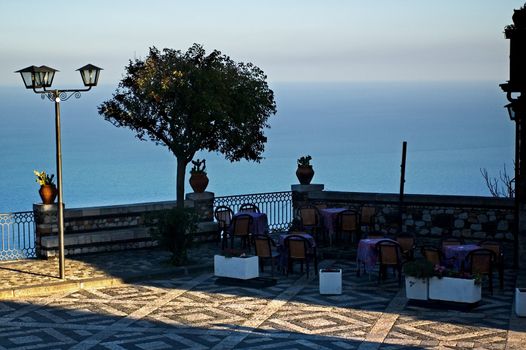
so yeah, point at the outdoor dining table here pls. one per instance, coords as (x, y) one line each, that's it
(456, 254)
(259, 224)
(367, 253)
(329, 220)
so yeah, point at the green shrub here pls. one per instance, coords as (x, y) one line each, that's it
(174, 229)
(419, 269)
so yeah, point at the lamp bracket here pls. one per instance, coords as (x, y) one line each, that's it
(63, 95)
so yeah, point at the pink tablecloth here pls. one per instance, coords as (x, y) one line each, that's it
(259, 222)
(456, 254)
(367, 254)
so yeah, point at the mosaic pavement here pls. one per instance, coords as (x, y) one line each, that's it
(192, 312)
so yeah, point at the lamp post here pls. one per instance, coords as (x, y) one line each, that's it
(515, 90)
(39, 79)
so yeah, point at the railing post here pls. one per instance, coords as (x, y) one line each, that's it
(203, 203)
(45, 216)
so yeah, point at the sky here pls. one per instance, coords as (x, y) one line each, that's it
(291, 40)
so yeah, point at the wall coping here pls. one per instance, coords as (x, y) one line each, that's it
(121, 209)
(415, 199)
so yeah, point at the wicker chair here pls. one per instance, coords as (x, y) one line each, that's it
(432, 254)
(299, 249)
(241, 224)
(223, 215)
(407, 244)
(263, 245)
(481, 261)
(249, 208)
(496, 247)
(348, 224)
(367, 218)
(310, 220)
(389, 255)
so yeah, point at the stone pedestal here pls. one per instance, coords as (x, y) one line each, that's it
(45, 224)
(203, 205)
(300, 194)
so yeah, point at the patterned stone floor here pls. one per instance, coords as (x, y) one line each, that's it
(193, 312)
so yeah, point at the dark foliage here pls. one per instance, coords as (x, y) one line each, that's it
(192, 101)
(174, 229)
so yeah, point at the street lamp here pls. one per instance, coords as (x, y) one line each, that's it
(39, 79)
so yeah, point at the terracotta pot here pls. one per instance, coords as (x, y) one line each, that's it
(48, 193)
(199, 182)
(305, 174)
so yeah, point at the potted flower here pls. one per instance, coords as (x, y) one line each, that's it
(48, 190)
(304, 171)
(198, 178)
(417, 274)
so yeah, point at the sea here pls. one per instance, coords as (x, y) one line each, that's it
(354, 132)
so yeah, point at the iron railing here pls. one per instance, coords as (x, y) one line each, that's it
(277, 206)
(17, 236)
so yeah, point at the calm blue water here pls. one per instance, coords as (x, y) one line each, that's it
(353, 131)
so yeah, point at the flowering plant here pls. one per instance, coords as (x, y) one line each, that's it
(442, 271)
(304, 161)
(198, 167)
(43, 178)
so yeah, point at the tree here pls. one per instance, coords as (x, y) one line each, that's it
(190, 102)
(504, 186)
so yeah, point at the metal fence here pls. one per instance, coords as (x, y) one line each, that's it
(17, 236)
(277, 206)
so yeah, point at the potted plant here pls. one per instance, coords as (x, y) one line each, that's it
(48, 190)
(455, 286)
(417, 274)
(304, 171)
(233, 264)
(198, 178)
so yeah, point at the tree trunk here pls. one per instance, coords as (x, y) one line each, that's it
(179, 188)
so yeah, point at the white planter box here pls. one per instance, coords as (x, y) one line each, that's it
(520, 302)
(331, 281)
(416, 288)
(242, 268)
(454, 289)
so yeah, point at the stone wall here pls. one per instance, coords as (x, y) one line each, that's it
(109, 228)
(430, 217)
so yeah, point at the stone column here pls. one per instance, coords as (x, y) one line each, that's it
(45, 225)
(203, 203)
(300, 194)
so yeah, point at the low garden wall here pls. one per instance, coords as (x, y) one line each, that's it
(109, 228)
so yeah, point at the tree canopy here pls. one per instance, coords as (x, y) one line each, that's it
(192, 101)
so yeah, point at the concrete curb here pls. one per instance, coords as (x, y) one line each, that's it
(99, 282)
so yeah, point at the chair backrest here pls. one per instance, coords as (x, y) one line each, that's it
(241, 225)
(375, 235)
(263, 246)
(223, 215)
(309, 216)
(407, 242)
(431, 254)
(481, 260)
(297, 246)
(452, 241)
(495, 247)
(367, 214)
(348, 220)
(321, 206)
(249, 208)
(388, 252)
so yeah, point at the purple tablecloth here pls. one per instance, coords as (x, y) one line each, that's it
(259, 222)
(456, 254)
(329, 216)
(367, 254)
